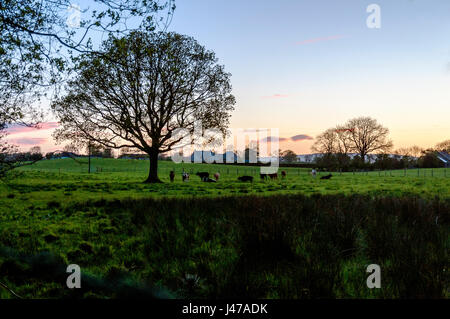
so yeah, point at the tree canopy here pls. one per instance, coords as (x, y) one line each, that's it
(140, 90)
(38, 41)
(363, 135)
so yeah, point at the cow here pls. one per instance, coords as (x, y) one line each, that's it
(313, 172)
(185, 177)
(203, 175)
(172, 176)
(216, 176)
(283, 174)
(273, 176)
(326, 176)
(246, 178)
(209, 180)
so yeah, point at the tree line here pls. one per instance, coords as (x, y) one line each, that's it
(363, 136)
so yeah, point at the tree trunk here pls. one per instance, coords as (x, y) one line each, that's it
(153, 173)
(363, 157)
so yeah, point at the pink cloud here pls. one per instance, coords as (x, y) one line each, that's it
(269, 139)
(275, 96)
(25, 141)
(295, 138)
(334, 37)
(16, 129)
(300, 137)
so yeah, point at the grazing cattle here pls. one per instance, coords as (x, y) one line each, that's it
(313, 172)
(326, 176)
(263, 176)
(273, 176)
(216, 176)
(246, 178)
(172, 176)
(283, 174)
(203, 175)
(185, 177)
(209, 180)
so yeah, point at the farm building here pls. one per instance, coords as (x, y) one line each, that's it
(444, 157)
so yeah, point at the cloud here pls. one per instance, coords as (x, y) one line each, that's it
(273, 139)
(28, 141)
(301, 137)
(309, 41)
(275, 96)
(295, 138)
(17, 129)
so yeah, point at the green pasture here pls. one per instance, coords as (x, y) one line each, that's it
(296, 237)
(67, 180)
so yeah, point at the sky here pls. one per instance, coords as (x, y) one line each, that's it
(305, 66)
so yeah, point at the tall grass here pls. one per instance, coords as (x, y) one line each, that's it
(281, 246)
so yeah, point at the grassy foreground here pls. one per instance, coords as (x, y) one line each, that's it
(309, 239)
(289, 246)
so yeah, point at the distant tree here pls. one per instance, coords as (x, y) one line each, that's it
(36, 150)
(325, 143)
(141, 90)
(383, 161)
(343, 139)
(443, 146)
(412, 151)
(49, 155)
(289, 156)
(368, 136)
(11, 158)
(71, 148)
(429, 159)
(334, 144)
(415, 151)
(409, 156)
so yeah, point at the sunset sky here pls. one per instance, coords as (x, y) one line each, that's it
(305, 66)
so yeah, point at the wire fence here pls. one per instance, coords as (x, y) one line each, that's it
(225, 170)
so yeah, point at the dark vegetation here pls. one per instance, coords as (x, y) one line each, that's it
(282, 246)
(343, 162)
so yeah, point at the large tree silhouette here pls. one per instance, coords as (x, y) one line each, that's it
(140, 90)
(38, 40)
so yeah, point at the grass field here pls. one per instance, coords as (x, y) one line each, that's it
(112, 178)
(299, 237)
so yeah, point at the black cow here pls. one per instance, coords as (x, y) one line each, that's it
(326, 176)
(246, 178)
(263, 176)
(209, 180)
(203, 175)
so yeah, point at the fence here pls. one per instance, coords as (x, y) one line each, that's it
(227, 170)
